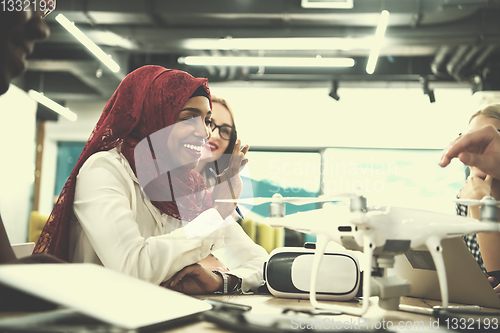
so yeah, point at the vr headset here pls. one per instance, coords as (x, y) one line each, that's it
(287, 273)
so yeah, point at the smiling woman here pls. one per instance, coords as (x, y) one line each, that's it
(187, 139)
(133, 203)
(216, 153)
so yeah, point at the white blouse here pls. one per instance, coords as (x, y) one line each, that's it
(116, 226)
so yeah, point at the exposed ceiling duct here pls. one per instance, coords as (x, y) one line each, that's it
(446, 41)
(462, 63)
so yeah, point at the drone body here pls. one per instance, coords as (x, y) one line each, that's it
(381, 233)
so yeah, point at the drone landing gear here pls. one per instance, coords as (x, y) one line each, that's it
(389, 289)
(436, 250)
(321, 243)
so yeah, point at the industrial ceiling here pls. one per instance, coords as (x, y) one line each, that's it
(448, 42)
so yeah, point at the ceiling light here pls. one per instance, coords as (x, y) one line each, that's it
(290, 43)
(266, 61)
(110, 38)
(344, 4)
(377, 42)
(42, 99)
(90, 45)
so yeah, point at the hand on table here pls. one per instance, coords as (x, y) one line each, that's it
(194, 279)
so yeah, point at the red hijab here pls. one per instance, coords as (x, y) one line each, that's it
(146, 101)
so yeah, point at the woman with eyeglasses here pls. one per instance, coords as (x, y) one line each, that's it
(485, 247)
(215, 157)
(216, 154)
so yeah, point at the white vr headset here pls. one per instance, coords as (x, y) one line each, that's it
(287, 273)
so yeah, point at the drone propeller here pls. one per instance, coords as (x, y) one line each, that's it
(277, 198)
(487, 200)
(467, 202)
(315, 221)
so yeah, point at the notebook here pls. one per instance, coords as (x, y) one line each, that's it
(467, 283)
(103, 294)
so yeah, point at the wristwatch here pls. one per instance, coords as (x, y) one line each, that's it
(237, 286)
(224, 279)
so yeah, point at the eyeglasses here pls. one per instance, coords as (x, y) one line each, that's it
(225, 131)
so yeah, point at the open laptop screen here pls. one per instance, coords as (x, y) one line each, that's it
(467, 283)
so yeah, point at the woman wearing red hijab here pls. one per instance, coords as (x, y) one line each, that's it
(133, 203)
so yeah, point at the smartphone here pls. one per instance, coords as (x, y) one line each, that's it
(222, 305)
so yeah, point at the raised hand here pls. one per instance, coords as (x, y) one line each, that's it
(229, 184)
(480, 148)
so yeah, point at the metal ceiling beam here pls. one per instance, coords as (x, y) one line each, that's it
(364, 12)
(388, 68)
(85, 71)
(482, 26)
(159, 28)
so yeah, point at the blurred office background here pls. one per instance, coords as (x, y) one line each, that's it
(312, 131)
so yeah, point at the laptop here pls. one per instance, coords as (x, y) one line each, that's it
(92, 291)
(467, 283)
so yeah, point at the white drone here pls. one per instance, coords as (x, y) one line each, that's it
(381, 233)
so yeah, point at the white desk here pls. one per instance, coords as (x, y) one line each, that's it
(267, 304)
